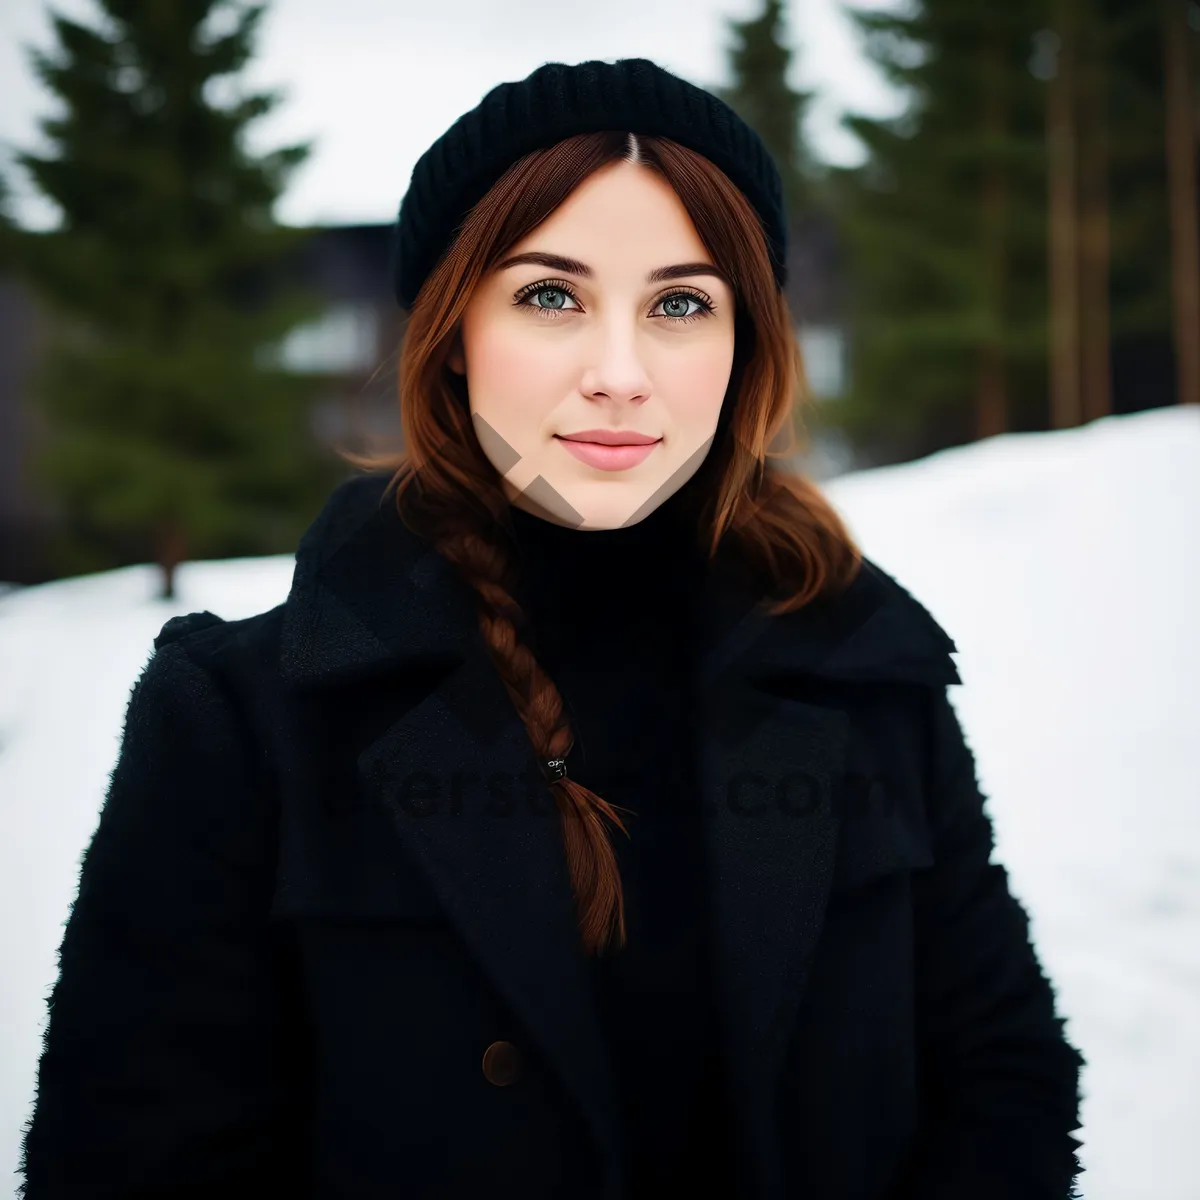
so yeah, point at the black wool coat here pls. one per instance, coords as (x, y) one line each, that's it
(324, 943)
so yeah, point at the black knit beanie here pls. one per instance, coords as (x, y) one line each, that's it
(557, 101)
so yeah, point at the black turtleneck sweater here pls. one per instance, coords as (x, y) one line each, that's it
(614, 623)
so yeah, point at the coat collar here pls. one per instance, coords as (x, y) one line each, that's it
(368, 597)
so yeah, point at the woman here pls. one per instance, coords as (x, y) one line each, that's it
(592, 819)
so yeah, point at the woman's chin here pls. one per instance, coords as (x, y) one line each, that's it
(608, 505)
(584, 506)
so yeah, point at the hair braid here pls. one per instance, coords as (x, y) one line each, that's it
(488, 567)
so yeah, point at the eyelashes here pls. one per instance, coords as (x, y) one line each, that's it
(559, 285)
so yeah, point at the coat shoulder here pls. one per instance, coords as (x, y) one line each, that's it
(205, 633)
(917, 614)
(240, 658)
(881, 631)
(181, 626)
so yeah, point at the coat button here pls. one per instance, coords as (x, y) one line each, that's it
(501, 1063)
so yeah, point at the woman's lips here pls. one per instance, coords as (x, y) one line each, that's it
(607, 458)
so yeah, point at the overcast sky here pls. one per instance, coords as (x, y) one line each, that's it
(374, 82)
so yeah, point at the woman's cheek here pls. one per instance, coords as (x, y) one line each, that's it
(519, 377)
(697, 387)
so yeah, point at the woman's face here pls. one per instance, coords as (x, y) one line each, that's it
(617, 322)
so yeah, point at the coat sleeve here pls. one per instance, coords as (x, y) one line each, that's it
(1000, 1082)
(166, 1057)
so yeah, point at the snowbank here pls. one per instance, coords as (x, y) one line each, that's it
(1066, 566)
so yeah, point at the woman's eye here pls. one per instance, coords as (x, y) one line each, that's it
(677, 305)
(549, 300)
(558, 297)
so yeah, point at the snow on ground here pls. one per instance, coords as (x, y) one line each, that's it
(1066, 566)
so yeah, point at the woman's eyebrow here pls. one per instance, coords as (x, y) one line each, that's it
(572, 266)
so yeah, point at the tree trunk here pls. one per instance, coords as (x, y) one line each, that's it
(1181, 176)
(171, 551)
(1094, 239)
(1064, 231)
(992, 393)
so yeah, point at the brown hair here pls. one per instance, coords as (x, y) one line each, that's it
(446, 490)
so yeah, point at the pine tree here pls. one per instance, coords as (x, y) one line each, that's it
(945, 228)
(761, 95)
(169, 435)
(1111, 245)
(1144, 254)
(759, 63)
(8, 229)
(1180, 106)
(5, 202)
(1009, 230)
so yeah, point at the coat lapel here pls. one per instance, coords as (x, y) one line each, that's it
(498, 868)
(368, 597)
(771, 769)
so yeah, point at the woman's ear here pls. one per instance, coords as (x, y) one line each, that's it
(455, 360)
